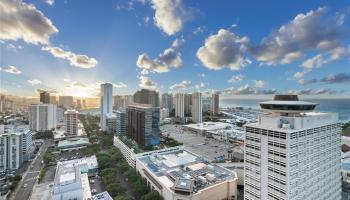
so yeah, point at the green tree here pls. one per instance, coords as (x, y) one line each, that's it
(115, 188)
(122, 197)
(154, 195)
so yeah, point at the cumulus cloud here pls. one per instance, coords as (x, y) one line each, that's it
(309, 91)
(170, 58)
(20, 20)
(147, 83)
(77, 60)
(34, 82)
(11, 69)
(315, 30)
(259, 83)
(299, 75)
(224, 49)
(178, 87)
(336, 78)
(235, 79)
(169, 15)
(307, 81)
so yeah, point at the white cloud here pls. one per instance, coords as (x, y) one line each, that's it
(225, 49)
(332, 55)
(309, 91)
(307, 81)
(299, 75)
(120, 85)
(11, 69)
(169, 15)
(13, 47)
(200, 85)
(259, 83)
(202, 75)
(170, 58)
(235, 79)
(147, 83)
(146, 19)
(34, 82)
(50, 2)
(20, 20)
(76, 60)
(245, 89)
(198, 30)
(182, 86)
(315, 30)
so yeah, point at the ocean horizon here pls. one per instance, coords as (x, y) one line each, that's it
(340, 106)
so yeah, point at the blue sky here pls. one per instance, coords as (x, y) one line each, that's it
(238, 47)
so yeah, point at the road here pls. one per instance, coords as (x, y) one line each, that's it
(29, 177)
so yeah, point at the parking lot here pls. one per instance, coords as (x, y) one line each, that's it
(208, 148)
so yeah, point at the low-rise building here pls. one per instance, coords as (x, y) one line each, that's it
(71, 179)
(203, 128)
(180, 174)
(102, 196)
(72, 143)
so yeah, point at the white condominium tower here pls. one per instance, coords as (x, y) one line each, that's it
(42, 117)
(292, 153)
(106, 103)
(71, 122)
(179, 105)
(197, 107)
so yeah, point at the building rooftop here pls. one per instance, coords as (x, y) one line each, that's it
(102, 196)
(84, 164)
(287, 104)
(185, 171)
(72, 142)
(71, 111)
(209, 126)
(111, 115)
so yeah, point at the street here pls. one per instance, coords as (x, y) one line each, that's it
(30, 176)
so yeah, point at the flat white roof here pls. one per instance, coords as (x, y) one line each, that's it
(209, 126)
(68, 177)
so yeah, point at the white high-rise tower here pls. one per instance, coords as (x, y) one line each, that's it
(292, 152)
(106, 103)
(179, 105)
(197, 107)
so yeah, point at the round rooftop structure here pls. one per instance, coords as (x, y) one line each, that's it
(287, 104)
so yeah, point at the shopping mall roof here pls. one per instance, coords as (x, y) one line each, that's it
(185, 170)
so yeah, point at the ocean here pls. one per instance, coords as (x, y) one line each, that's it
(340, 106)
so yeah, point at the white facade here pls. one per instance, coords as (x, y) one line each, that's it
(42, 117)
(179, 105)
(14, 147)
(197, 107)
(293, 156)
(164, 113)
(106, 103)
(71, 122)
